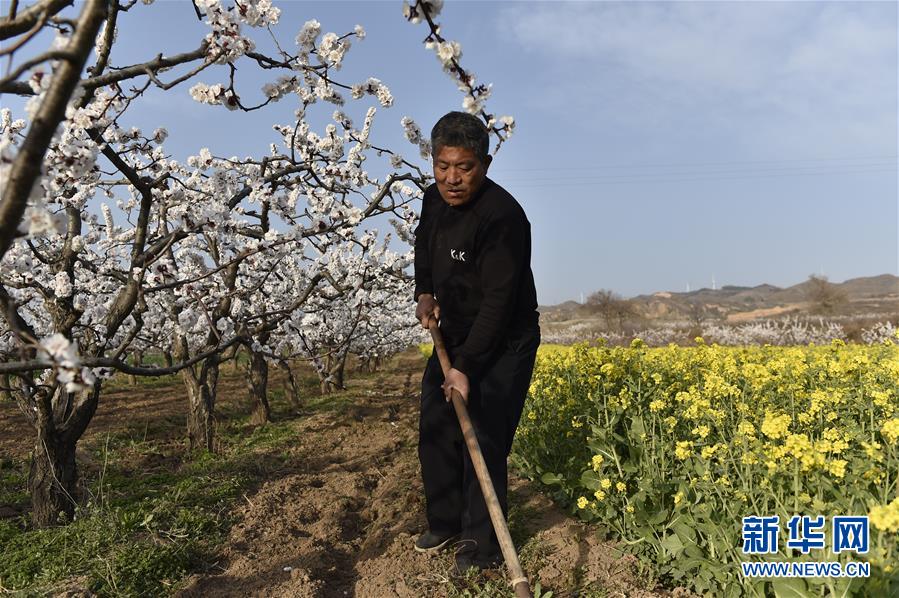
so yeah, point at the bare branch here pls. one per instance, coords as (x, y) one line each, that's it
(116, 364)
(130, 72)
(14, 25)
(38, 25)
(51, 55)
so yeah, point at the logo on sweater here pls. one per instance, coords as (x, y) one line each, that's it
(457, 255)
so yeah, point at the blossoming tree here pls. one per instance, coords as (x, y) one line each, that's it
(209, 254)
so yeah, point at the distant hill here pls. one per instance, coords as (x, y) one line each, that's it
(865, 295)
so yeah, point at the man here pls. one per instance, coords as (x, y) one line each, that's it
(473, 275)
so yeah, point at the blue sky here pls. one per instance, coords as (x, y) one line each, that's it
(658, 145)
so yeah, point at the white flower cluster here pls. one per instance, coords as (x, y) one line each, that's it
(413, 12)
(62, 285)
(373, 87)
(413, 133)
(38, 222)
(342, 119)
(791, 331)
(447, 52)
(214, 95)
(207, 94)
(259, 13)
(225, 43)
(881, 333)
(9, 128)
(474, 102)
(507, 122)
(306, 39)
(280, 88)
(309, 34)
(332, 50)
(67, 364)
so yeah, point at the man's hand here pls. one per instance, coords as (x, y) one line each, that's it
(427, 309)
(456, 380)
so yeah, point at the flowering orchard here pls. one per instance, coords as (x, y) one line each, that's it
(670, 448)
(272, 254)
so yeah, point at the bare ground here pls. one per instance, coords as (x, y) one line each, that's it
(339, 518)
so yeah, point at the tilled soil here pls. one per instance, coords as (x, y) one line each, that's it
(344, 522)
(340, 516)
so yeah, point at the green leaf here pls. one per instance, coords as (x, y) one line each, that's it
(590, 480)
(790, 588)
(672, 544)
(685, 532)
(637, 427)
(658, 517)
(551, 478)
(693, 551)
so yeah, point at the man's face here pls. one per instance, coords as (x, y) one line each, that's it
(459, 174)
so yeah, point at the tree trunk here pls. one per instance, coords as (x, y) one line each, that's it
(324, 376)
(6, 384)
(258, 381)
(138, 359)
(52, 480)
(337, 375)
(337, 372)
(201, 411)
(292, 392)
(53, 475)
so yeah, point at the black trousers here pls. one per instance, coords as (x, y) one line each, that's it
(454, 499)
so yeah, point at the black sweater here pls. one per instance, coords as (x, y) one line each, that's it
(476, 260)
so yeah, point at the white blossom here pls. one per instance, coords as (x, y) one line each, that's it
(309, 33)
(40, 223)
(62, 285)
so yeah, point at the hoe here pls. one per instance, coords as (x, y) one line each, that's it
(519, 580)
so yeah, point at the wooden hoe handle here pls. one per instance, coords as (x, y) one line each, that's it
(519, 580)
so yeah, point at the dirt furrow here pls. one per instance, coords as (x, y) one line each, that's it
(340, 521)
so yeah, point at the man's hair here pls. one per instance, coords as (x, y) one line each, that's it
(459, 129)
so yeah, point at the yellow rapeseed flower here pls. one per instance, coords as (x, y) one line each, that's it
(775, 426)
(701, 431)
(600, 495)
(582, 502)
(683, 450)
(890, 430)
(885, 517)
(838, 467)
